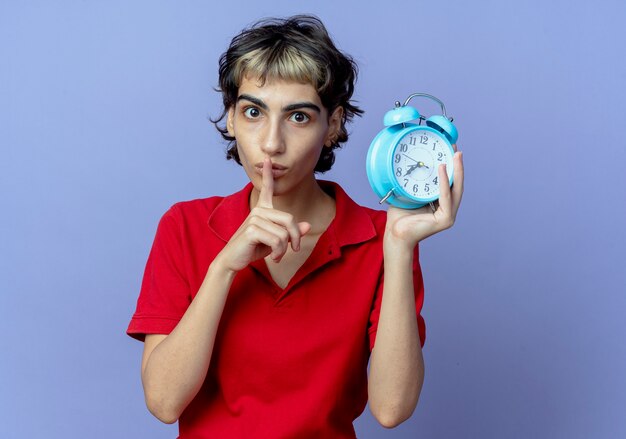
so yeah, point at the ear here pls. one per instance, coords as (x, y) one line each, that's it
(334, 126)
(230, 124)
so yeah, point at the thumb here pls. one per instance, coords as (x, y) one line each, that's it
(304, 227)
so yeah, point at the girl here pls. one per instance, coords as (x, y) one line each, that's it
(261, 310)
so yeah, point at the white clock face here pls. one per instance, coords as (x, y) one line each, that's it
(416, 159)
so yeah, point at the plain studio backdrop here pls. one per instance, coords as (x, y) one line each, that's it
(104, 111)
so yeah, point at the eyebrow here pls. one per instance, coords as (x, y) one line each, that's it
(290, 107)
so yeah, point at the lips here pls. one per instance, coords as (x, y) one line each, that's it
(277, 169)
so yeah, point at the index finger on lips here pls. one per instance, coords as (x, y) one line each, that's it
(267, 185)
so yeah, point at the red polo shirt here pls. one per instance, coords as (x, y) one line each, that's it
(287, 363)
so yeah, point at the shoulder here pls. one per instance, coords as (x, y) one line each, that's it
(353, 216)
(378, 217)
(204, 208)
(222, 215)
(195, 207)
(341, 196)
(190, 211)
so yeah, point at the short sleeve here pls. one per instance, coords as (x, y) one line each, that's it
(165, 293)
(418, 285)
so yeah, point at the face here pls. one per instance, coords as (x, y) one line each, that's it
(286, 122)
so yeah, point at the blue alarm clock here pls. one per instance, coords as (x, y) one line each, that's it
(403, 159)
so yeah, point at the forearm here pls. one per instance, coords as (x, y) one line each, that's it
(397, 366)
(177, 366)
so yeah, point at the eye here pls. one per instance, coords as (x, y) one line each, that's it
(251, 112)
(299, 117)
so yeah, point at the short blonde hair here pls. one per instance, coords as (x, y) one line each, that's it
(289, 65)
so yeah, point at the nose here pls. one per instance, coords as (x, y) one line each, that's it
(273, 141)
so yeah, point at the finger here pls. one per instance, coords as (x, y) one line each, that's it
(267, 185)
(271, 235)
(459, 177)
(445, 202)
(283, 220)
(304, 228)
(454, 147)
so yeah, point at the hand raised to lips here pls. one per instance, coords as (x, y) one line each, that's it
(265, 232)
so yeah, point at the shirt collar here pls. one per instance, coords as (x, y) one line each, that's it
(351, 225)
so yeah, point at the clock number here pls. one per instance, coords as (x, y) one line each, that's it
(398, 172)
(426, 188)
(415, 188)
(435, 145)
(403, 147)
(424, 140)
(440, 156)
(412, 140)
(397, 158)
(406, 181)
(436, 180)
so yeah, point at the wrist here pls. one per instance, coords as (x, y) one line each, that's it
(395, 241)
(221, 270)
(396, 248)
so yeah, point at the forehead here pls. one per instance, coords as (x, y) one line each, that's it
(279, 92)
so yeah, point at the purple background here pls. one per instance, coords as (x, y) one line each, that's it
(103, 125)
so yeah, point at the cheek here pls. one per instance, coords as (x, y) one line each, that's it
(242, 150)
(246, 141)
(307, 139)
(312, 151)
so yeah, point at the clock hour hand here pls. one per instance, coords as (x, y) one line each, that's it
(411, 169)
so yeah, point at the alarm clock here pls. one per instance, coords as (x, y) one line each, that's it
(403, 159)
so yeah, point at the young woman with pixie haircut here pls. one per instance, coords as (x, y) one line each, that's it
(260, 310)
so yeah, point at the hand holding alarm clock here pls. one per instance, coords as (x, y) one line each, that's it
(403, 158)
(410, 165)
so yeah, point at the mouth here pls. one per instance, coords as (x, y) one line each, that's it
(277, 170)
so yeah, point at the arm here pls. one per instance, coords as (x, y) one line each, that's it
(397, 366)
(175, 366)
